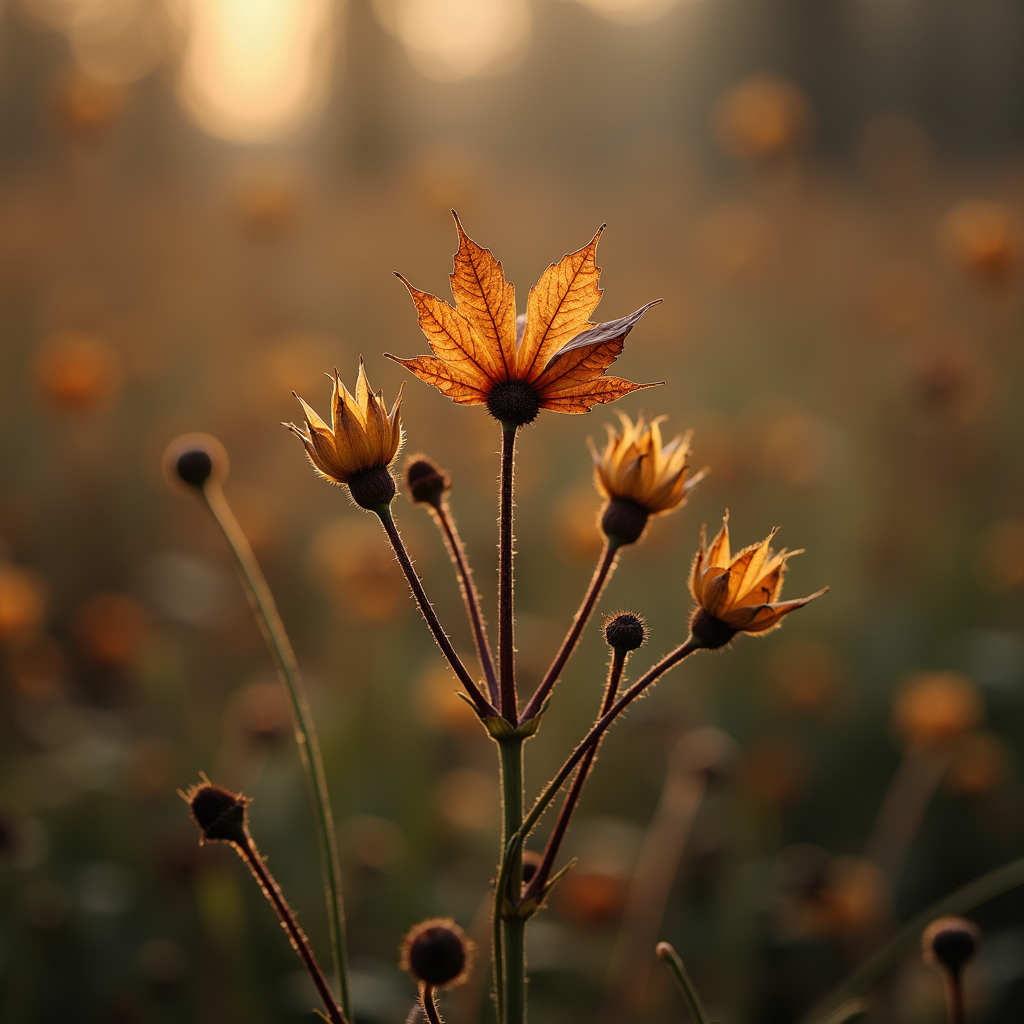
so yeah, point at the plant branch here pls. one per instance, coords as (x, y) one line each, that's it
(264, 608)
(506, 610)
(249, 853)
(683, 980)
(429, 1005)
(538, 883)
(483, 705)
(605, 567)
(443, 517)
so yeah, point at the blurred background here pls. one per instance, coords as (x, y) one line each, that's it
(201, 204)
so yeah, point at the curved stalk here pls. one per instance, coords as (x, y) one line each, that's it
(443, 517)
(605, 567)
(264, 608)
(667, 953)
(460, 670)
(429, 1005)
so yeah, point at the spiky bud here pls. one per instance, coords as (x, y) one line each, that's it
(625, 631)
(425, 480)
(437, 952)
(219, 813)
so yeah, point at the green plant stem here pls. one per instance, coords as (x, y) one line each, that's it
(605, 567)
(264, 608)
(506, 606)
(538, 883)
(450, 532)
(960, 901)
(398, 545)
(683, 980)
(511, 941)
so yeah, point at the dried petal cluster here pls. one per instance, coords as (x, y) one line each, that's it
(362, 436)
(739, 593)
(636, 466)
(552, 357)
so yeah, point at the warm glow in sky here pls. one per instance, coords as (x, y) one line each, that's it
(254, 70)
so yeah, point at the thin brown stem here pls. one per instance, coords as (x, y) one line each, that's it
(506, 611)
(450, 532)
(460, 670)
(543, 873)
(300, 943)
(598, 729)
(605, 567)
(429, 1005)
(955, 996)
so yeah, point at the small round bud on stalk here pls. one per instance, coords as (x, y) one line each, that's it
(372, 488)
(949, 944)
(437, 953)
(425, 481)
(624, 521)
(219, 813)
(711, 632)
(625, 632)
(194, 460)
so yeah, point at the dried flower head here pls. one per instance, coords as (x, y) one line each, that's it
(219, 813)
(625, 631)
(193, 460)
(738, 593)
(437, 952)
(552, 357)
(950, 943)
(359, 445)
(636, 469)
(425, 480)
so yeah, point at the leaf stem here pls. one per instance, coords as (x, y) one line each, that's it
(539, 881)
(443, 517)
(506, 610)
(387, 521)
(605, 567)
(683, 980)
(264, 608)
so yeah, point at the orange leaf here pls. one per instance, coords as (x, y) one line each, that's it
(459, 387)
(560, 306)
(485, 299)
(584, 397)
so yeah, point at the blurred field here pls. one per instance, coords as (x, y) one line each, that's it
(200, 210)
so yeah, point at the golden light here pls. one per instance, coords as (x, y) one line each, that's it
(255, 70)
(453, 39)
(629, 12)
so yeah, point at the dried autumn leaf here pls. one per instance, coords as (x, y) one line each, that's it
(553, 357)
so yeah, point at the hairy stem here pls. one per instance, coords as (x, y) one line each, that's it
(506, 610)
(605, 567)
(543, 873)
(429, 1004)
(511, 871)
(443, 517)
(460, 670)
(264, 608)
(249, 853)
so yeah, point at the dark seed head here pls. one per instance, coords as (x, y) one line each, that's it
(437, 952)
(711, 633)
(514, 402)
(425, 481)
(625, 631)
(372, 488)
(193, 460)
(219, 813)
(624, 521)
(950, 943)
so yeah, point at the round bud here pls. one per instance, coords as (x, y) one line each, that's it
(437, 952)
(193, 460)
(625, 632)
(219, 813)
(514, 402)
(950, 943)
(425, 481)
(624, 521)
(372, 488)
(710, 632)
